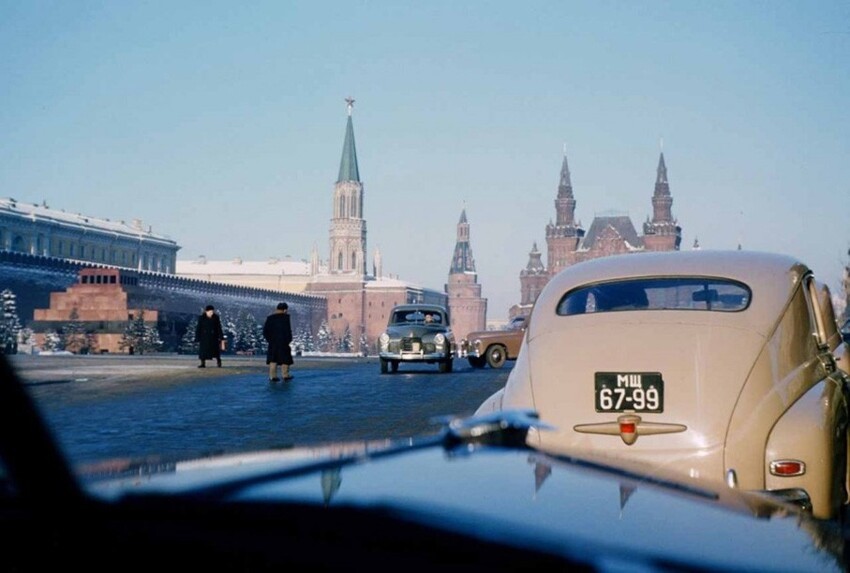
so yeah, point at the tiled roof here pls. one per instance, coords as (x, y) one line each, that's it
(622, 224)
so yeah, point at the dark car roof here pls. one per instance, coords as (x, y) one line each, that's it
(578, 510)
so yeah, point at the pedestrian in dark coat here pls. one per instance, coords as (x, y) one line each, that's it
(277, 331)
(209, 336)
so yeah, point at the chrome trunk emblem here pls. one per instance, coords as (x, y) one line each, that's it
(629, 427)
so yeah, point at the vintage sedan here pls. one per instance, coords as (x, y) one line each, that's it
(494, 347)
(723, 366)
(417, 333)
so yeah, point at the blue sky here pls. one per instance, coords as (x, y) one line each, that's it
(221, 123)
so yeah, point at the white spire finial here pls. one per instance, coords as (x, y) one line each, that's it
(349, 101)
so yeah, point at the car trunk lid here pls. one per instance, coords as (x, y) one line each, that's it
(663, 397)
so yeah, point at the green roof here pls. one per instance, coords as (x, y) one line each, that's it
(348, 170)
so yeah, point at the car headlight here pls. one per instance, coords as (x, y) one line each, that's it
(384, 340)
(439, 338)
(477, 344)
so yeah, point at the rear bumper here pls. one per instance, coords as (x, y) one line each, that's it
(795, 496)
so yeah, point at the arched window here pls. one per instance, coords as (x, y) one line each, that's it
(339, 262)
(19, 244)
(353, 261)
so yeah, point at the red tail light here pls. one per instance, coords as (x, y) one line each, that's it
(787, 468)
(627, 427)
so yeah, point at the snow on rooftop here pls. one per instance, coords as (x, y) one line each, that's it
(388, 282)
(281, 267)
(35, 212)
(271, 267)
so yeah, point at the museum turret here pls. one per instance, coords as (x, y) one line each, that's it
(662, 233)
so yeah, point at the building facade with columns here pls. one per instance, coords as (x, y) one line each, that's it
(40, 230)
(610, 233)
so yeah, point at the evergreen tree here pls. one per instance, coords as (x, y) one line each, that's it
(74, 336)
(258, 341)
(228, 327)
(240, 336)
(151, 342)
(25, 336)
(345, 343)
(188, 345)
(52, 341)
(309, 342)
(324, 338)
(298, 342)
(247, 334)
(139, 337)
(10, 324)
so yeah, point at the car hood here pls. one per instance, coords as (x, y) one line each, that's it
(414, 330)
(478, 479)
(493, 334)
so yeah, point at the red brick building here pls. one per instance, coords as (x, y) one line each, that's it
(568, 243)
(358, 303)
(468, 311)
(101, 304)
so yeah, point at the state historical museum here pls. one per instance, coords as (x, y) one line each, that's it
(567, 242)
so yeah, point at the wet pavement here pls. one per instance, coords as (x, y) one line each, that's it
(103, 407)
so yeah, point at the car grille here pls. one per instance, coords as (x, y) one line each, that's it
(412, 345)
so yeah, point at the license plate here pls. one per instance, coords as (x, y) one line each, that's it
(629, 392)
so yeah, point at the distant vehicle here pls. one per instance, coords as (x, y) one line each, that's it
(725, 366)
(494, 347)
(417, 333)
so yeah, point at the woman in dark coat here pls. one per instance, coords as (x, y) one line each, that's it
(277, 331)
(208, 335)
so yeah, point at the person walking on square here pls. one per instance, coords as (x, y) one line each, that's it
(277, 331)
(209, 336)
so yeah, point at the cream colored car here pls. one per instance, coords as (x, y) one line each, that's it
(726, 366)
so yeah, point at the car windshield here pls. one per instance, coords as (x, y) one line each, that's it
(683, 293)
(416, 317)
(240, 227)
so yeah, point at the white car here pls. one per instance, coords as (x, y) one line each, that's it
(723, 366)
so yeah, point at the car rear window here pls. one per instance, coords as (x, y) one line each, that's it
(683, 293)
